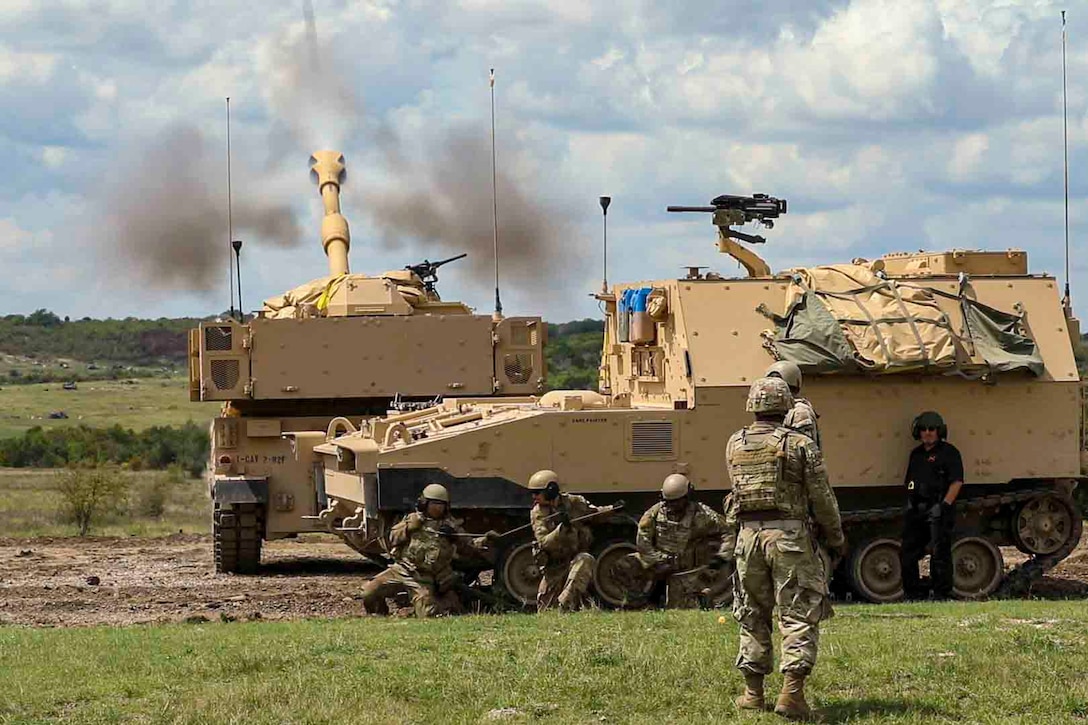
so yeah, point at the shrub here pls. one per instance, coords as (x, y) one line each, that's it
(89, 493)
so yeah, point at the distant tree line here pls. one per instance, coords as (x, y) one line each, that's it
(131, 341)
(573, 352)
(158, 447)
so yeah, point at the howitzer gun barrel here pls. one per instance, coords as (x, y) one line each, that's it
(327, 170)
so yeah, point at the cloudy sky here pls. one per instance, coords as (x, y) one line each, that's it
(888, 125)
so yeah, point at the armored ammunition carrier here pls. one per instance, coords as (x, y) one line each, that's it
(332, 351)
(971, 334)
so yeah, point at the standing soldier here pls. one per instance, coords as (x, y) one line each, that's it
(934, 479)
(802, 416)
(561, 546)
(672, 537)
(779, 486)
(424, 544)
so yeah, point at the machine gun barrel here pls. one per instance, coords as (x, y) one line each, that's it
(691, 208)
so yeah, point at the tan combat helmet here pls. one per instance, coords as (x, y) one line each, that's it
(675, 487)
(545, 482)
(436, 492)
(769, 395)
(788, 371)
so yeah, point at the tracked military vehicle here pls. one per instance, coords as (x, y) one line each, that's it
(332, 351)
(970, 333)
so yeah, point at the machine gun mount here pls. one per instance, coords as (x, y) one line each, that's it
(729, 210)
(427, 271)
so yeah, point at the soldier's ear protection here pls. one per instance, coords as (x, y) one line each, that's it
(551, 491)
(421, 505)
(916, 429)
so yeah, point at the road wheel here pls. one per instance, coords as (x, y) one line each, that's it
(1043, 525)
(518, 575)
(977, 567)
(874, 570)
(612, 587)
(236, 534)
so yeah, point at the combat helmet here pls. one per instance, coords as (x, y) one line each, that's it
(788, 371)
(929, 419)
(436, 492)
(545, 482)
(676, 486)
(769, 395)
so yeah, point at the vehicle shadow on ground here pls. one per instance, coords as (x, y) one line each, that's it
(851, 710)
(304, 566)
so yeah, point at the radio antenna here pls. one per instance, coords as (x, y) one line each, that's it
(605, 201)
(1067, 301)
(495, 201)
(230, 223)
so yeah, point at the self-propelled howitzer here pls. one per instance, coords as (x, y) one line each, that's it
(325, 355)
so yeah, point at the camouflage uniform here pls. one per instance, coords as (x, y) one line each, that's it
(423, 566)
(668, 545)
(562, 553)
(802, 418)
(779, 484)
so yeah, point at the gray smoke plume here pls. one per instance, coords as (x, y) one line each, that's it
(441, 196)
(162, 212)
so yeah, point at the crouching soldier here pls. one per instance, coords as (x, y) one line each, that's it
(424, 545)
(673, 545)
(561, 544)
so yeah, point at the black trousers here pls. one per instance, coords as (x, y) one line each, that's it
(918, 533)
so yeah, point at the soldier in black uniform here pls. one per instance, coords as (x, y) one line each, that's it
(934, 479)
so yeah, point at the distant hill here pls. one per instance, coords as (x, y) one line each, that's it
(42, 347)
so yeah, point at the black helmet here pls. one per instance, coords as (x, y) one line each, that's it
(929, 419)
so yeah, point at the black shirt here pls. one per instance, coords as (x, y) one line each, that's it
(930, 473)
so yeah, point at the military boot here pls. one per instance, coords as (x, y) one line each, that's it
(752, 699)
(791, 701)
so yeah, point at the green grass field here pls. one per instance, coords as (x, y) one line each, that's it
(141, 404)
(993, 662)
(30, 506)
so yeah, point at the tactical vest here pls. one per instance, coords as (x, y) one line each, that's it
(757, 468)
(426, 551)
(672, 536)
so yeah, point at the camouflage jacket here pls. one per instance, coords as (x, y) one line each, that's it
(802, 418)
(802, 490)
(559, 544)
(417, 545)
(661, 537)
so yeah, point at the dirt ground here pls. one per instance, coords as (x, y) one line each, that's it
(117, 581)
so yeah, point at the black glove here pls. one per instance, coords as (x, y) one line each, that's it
(492, 535)
(718, 562)
(936, 510)
(563, 518)
(446, 530)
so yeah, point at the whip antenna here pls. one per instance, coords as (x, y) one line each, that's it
(495, 200)
(605, 201)
(237, 246)
(1066, 302)
(230, 223)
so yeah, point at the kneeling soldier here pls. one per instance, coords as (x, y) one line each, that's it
(424, 545)
(673, 538)
(561, 545)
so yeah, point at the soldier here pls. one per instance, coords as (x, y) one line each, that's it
(933, 480)
(424, 545)
(802, 416)
(672, 538)
(779, 483)
(561, 547)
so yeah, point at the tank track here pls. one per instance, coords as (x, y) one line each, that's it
(236, 531)
(1020, 580)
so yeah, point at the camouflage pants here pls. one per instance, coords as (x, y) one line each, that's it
(779, 567)
(682, 590)
(426, 599)
(565, 584)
